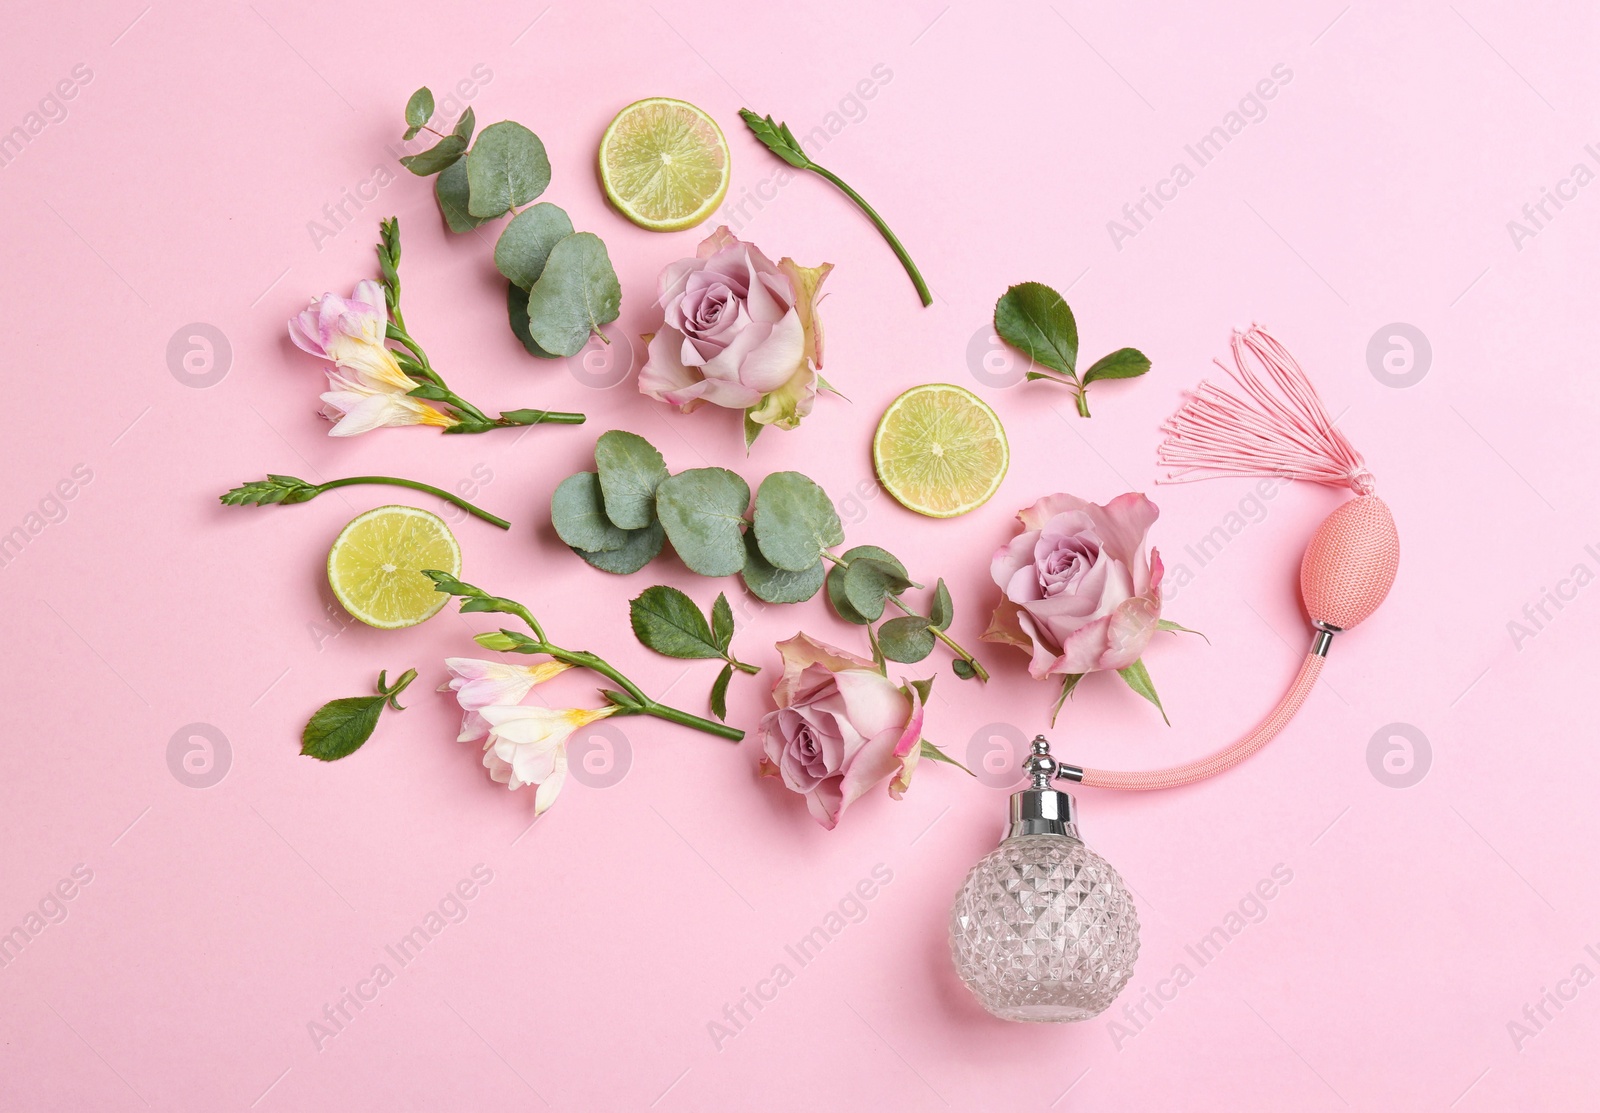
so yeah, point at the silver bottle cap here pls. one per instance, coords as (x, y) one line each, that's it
(1040, 809)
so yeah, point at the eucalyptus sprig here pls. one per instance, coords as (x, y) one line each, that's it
(562, 287)
(288, 490)
(1036, 320)
(627, 697)
(414, 361)
(619, 517)
(667, 620)
(341, 726)
(781, 141)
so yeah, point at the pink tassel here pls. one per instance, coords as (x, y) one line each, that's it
(1284, 432)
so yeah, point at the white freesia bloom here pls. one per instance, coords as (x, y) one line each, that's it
(528, 745)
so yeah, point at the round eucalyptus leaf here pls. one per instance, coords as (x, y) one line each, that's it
(641, 547)
(630, 471)
(576, 293)
(907, 640)
(579, 515)
(794, 521)
(702, 511)
(523, 247)
(775, 585)
(506, 167)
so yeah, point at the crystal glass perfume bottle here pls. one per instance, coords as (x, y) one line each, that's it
(1043, 928)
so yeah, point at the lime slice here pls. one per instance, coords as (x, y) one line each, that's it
(940, 450)
(375, 565)
(664, 163)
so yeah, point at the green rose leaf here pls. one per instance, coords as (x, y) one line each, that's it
(933, 753)
(419, 110)
(641, 547)
(465, 125)
(667, 621)
(702, 511)
(525, 244)
(630, 471)
(507, 168)
(907, 640)
(1037, 321)
(722, 623)
(437, 157)
(578, 512)
(840, 601)
(339, 728)
(1172, 627)
(774, 585)
(577, 292)
(517, 311)
(1124, 363)
(943, 611)
(450, 190)
(719, 693)
(794, 521)
(1138, 678)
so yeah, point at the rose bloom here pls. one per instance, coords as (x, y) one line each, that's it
(738, 332)
(1079, 593)
(840, 728)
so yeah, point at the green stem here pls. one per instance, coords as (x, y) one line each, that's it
(883, 229)
(416, 486)
(978, 670)
(748, 670)
(400, 685)
(1083, 400)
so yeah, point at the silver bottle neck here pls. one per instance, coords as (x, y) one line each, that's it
(1043, 811)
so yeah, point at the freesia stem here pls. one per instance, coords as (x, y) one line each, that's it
(894, 241)
(642, 704)
(391, 481)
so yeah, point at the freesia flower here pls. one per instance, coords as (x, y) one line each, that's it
(528, 745)
(840, 728)
(478, 684)
(738, 332)
(367, 388)
(1079, 592)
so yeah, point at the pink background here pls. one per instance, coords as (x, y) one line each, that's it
(1419, 921)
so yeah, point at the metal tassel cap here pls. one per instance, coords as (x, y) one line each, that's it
(1040, 809)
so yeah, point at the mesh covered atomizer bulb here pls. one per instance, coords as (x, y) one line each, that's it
(1043, 928)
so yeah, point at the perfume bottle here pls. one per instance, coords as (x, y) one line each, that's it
(1043, 929)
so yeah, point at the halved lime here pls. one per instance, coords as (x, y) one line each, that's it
(664, 164)
(375, 566)
(940, 450)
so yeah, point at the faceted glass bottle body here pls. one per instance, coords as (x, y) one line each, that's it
(1044, 930)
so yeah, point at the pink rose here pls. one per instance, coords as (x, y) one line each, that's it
(738, 332)
(840, 728)
(1080, 594)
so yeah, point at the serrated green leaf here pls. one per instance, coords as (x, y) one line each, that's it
(1124, 363)
(630, 471)
(1138, 678)
(517, 311)
(575, 295)
(794, 521)
(702, 511)
(943, 611)
(774, 585)
(579, 515)
(419, 109)
(642, 546)
(1037, 321)
(667, 621)
(437, 157)
(722, 622)
(506, 168)
(906, 639)
(719, 693)
(339, 728)
(524, 245)
(450, 190)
